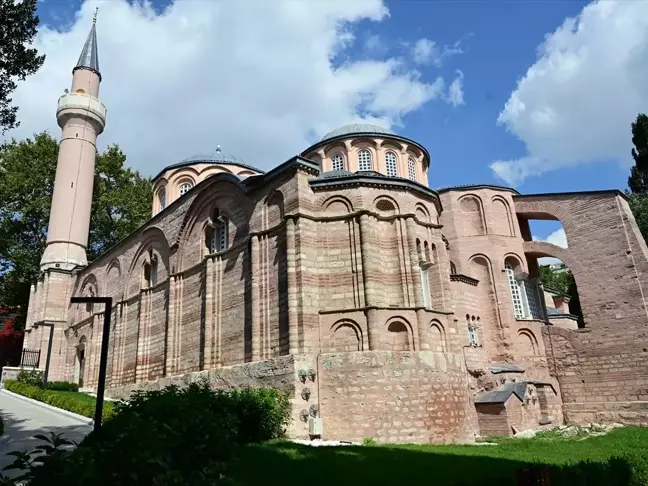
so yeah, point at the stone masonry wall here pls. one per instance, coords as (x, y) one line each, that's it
(394, 396)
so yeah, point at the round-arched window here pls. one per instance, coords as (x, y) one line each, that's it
(390, 162)
(411, 169)
(337, 162)
(162, 198)
(185, 187)
(364, 160)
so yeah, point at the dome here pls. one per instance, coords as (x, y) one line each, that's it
(356, 128)
(218, 156)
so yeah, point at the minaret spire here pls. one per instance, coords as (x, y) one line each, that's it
(89, 58)
(82, 117)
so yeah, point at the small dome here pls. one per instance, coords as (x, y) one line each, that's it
(357, 128)
(217, 156)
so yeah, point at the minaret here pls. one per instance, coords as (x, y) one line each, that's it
(82, 117)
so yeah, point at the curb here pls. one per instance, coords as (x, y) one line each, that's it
(76, 416)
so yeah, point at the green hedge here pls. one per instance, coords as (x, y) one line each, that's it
(62, 386)
(74, 402)
(170, 437)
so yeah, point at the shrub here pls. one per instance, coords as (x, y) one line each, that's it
(81, 404)
(30, 377)
(62, 386)
(169, 437)
(262, 413)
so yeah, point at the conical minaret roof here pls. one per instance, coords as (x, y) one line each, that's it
(89, 58)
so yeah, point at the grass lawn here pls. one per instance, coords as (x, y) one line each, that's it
(291, 464)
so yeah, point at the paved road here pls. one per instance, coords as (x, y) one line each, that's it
(23, 420)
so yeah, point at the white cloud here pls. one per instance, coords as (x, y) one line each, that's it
(426, 51)
(374, 45)
(576, 103)
(558, 238)
(259, 82)
(455, 95)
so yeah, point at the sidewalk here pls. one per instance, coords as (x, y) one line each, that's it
(23, 420)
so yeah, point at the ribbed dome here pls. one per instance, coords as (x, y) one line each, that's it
(217, 156)
(357, 128)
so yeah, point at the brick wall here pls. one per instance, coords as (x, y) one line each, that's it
(602, 370)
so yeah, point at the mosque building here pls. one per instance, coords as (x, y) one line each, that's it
(386, 309)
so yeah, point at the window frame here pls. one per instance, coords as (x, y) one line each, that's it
(341, 161)
(368, 160)
(393, 163)
(411, 168)
(183, 185)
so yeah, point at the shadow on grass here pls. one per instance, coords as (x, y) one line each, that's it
(292, 464)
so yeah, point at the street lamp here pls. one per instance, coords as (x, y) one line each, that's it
(103, 360)
(49, 346)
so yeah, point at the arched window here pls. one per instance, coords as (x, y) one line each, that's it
(337, 162)
(364, 160)
(162, 198)
(185, 187)
(473, 335)
(516, 291)
(411, 168)
(390, 162)
(149, 277)
(218, 235)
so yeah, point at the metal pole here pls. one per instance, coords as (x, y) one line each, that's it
(103, 360)
(49, 353)
(103, 365)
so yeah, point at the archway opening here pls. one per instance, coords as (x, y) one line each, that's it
(558, 291)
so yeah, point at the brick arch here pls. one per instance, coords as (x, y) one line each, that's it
(472, 209)
(181, 172)
(501, 217)
(437, 336)
(386, 204)
(214, 168)
(528, 340)
(399, 334)
(346, 335)
(153, 239)
(225, 192)
(422, 213)
(518, 262)
(337, 204)
(113, 275)
(274, 208)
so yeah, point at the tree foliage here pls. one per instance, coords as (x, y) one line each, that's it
(558, 281)
(18, 22)
(121, 203)
(565, 284)
(638, 180)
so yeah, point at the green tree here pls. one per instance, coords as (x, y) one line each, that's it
(18, 22)
(558, 281)
(638, 180)
(121, 203)
(563, 283)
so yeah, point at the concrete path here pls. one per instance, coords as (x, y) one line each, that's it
(23, 420)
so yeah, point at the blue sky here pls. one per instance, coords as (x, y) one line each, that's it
(566, 127)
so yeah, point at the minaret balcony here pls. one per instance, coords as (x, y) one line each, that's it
(81, 104)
